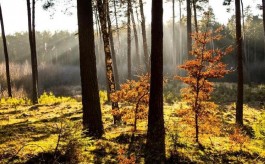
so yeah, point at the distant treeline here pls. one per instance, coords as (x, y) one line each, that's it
(61, 48)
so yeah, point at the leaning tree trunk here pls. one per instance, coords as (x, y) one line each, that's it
(129, 57)
(116, 73)
(239, 103)
(145, 46)
(189, 41)
(155, 143)
(34, 65)
(92, 117)
(6, 55)
(108, 59)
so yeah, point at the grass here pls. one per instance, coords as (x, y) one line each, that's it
(30, 133)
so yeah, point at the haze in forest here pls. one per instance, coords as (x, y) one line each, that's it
(96, 82)
(62, 19)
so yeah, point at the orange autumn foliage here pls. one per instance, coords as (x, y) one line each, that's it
(206, 64)
(136, 94)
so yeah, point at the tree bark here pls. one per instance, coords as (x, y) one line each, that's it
(155, 144)
(108, 59)
(116, 73)
(129, 64)
(189, 41)
(145, 46)
(92, 117)
(6, 54)
(239, 103)
(32, 41)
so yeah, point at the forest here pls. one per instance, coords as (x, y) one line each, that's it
(134, 85)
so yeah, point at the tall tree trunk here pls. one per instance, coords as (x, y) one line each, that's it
(155, 144)
(263, 16)
(116, 20)
(135, 37)
(99, 53)
(92, 117)
(174, 39)
(189, 41)
(6, 54)
(34, 65)
(108, 59)
(180, 33)
(195, 15)
(116, 73)
(129, 64)
(245, 59)
(34, 42)
(145, 46)
(239, 103)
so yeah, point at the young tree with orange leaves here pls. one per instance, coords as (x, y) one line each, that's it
(205, 64)
(136, 93)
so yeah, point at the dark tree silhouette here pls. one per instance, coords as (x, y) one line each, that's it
(92, 118)
(155, 144)
(32, 41)
(239, 103)
(6, 54)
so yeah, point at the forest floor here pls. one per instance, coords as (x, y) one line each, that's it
(51, 132)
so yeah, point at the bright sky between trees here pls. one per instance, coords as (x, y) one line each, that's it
(15, 15)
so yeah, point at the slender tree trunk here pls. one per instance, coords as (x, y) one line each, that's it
(155, 143)
(195, 15)
(129, 64)
(99, 53)
(263, 16)
(174, 40)
(196, 109)
(34, 65)
(145, 46)
(180, 33)
(189, 41)
(116, 20)
(245, 59)
(34, 42)
(6, 54)
(137, 17)
(239, 103)
(116, 74)
(135, 37)
(92, 117)
(108, 59)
